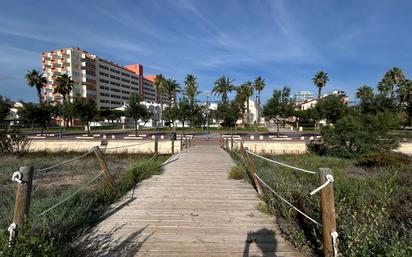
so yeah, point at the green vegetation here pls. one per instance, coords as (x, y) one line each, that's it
(53, 233)
(236, 172)
(372, 204)
(137, 111)
(279, 107)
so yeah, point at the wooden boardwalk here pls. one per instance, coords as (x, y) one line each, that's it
(192, 209)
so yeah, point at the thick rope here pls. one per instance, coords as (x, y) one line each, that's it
(288, 203)
(280, 163)
(65, 162)
(72, 195)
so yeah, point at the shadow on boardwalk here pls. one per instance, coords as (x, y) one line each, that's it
(107, 245)
(264, 239)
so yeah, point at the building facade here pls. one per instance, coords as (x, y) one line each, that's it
(109, 84)
(302, 96)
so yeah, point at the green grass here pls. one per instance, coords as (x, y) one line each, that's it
(51, 234)
(236, 172)
(373, 205)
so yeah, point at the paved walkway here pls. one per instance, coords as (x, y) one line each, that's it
(192, 209)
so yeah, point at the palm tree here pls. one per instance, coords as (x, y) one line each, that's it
(320, 79)
(392, 78)
(246, 89)
(191, 88)
(159, 86)
(171, 88)
(35, 79)
(364, 92)
(64, 86)
(259, 85)
(223, 86)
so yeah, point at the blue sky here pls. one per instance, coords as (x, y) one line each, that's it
(285, 42)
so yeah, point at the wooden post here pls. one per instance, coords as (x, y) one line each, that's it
(156, 145)
(173, 144)
(231, 142)
(253, 170)
(23, 195)
(181, 143)
(103, 165)
(227, 144)
(327, 204)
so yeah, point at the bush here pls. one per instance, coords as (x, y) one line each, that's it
(383, 159)
(12, 141)
(236, 172)
(357, 134)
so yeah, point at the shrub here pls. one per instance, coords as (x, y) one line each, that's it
(236, 172)
(383, 159)
(356, 134)
(12, 141)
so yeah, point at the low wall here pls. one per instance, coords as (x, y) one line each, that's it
(405, 148)
(112, 147)
(278, 147)
(293, 147)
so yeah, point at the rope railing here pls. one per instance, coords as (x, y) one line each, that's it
(280, 163)
(287, 202)
(328, 225)
(66, 161)
(73, 194)
(126, 146)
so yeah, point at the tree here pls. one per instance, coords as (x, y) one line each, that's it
(246, 89)
(5, 106)
(64, 86)
(239, 102)
(259, 85)
(356, 134)
(191, 91)
(159, 86)
(85, 109)
(331, 108)
(299, 115)
(171, 88)
(40, 114)
(228, 113)
(279, 107)
(184, 111)
(36, 79)
(364, 93)
(111, 115)
(223, 86)
(320, 79)
(392, 79)
(135, 110)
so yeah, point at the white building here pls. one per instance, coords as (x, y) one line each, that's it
(107, 83)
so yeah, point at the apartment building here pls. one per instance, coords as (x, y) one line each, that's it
(109, 84)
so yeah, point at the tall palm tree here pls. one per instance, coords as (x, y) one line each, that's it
(36, 79)
(171, 88)
(246, 89)
(223, 86)
(320, 79)
(392, 78)
(364, 92)
(191, 88)
(159, 85)
(64, 86)
(259, 85)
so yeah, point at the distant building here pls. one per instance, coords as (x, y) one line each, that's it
(109, 84)
(312, 102)
(302, 96)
